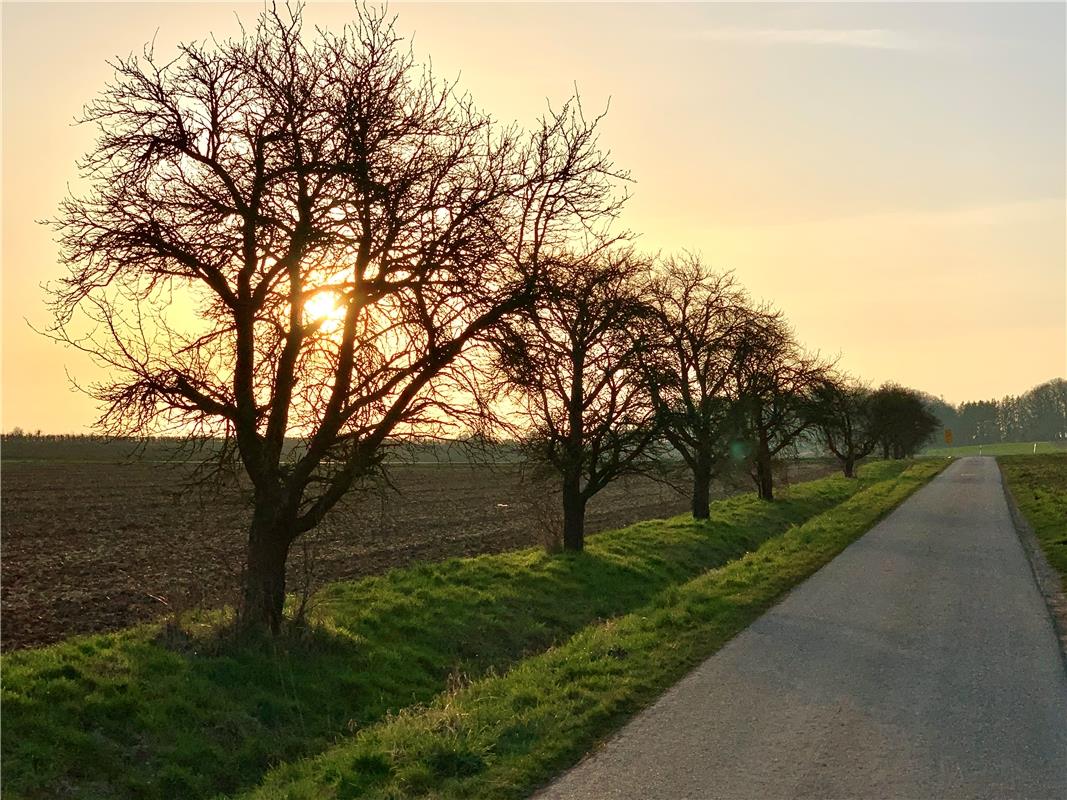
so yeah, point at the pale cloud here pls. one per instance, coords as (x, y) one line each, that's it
(862, 38)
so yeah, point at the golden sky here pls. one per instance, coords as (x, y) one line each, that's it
(892, 177)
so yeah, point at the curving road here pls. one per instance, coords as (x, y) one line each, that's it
(920, 663)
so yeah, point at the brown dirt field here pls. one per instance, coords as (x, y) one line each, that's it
(91, 547)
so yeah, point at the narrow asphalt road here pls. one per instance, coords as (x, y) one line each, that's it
(920, 663)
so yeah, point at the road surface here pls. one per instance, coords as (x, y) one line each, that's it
(920, 663)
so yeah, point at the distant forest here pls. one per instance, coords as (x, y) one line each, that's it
(1039, 415)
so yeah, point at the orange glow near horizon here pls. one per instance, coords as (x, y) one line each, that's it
(891, 177)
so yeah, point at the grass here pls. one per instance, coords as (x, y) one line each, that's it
(503, 736)
(1039, 486)
(148, 713)
(998, 449)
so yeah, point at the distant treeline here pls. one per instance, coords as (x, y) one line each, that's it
(1039, 415)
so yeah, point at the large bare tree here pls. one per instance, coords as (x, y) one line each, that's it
(701, 316)
(573, 370)
(297, 234)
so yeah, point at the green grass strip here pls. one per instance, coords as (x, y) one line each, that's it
(135, 714)
(998, 449)
(1039, 486)
(501, 737)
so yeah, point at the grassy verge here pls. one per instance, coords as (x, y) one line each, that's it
(1039, 486)
(502, 736)
(998, 449)
(146, 714)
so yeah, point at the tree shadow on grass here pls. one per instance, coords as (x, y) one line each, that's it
(193, 712)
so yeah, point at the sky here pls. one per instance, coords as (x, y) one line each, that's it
(892, 177)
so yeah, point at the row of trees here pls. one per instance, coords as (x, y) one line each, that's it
(294, 234)
(855, 421)
(625, 362)
(1039, 415)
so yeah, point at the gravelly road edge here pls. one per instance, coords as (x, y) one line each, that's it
(1047, 578)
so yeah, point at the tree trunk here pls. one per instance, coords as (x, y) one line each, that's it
(764, 475)
(885, 451)
(702, 488)
(573, 502)
(573, 516)
(850, 467)
(264, 590)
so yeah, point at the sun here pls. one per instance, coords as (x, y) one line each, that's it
(323, 307)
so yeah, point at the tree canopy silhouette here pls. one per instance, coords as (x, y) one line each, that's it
(701, 317)
(903, 421)
(843, 411)
(306, 234)
(572, 366)
(771, 385)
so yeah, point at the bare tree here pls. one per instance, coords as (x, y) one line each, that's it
(701, 315)
(844, 414)
(294, 234)
(573, 369)
(771, 384)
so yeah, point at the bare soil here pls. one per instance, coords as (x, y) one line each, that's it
(92, 547)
